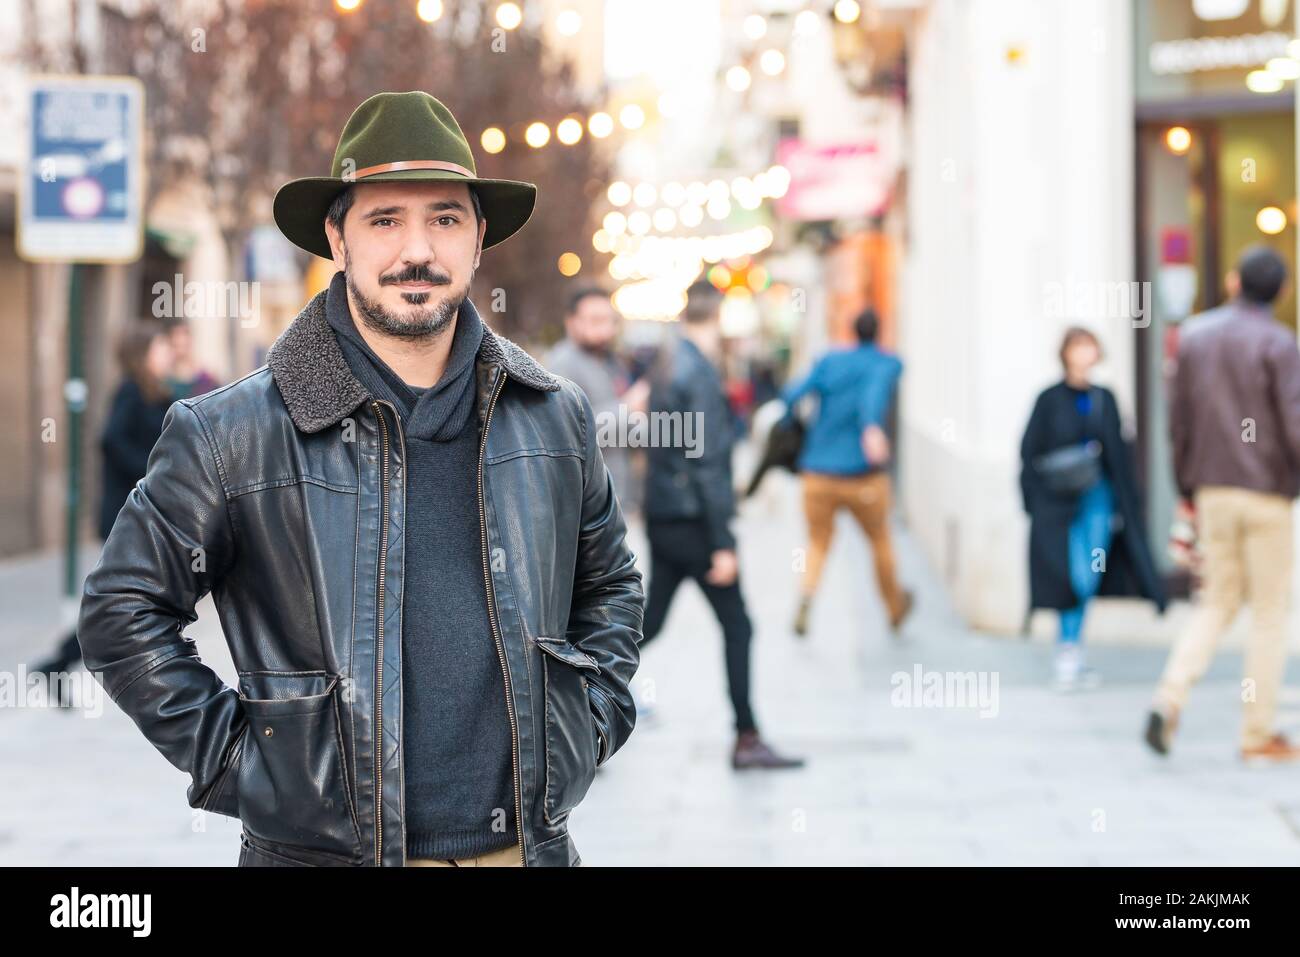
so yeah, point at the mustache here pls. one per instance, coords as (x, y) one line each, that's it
(415, 273)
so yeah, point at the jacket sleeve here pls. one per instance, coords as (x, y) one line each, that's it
(796, 390)
(1284, 373)
(710, 470)
(878, 393)
(1180, 434)
(605, 616)
(172, 543)
(1029, 448)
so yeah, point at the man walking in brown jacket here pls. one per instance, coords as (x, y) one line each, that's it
(1235, 424)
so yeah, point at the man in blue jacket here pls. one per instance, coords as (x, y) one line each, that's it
(843, 457)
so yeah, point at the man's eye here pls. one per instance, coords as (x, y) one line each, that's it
(378, 222)
(446, 220)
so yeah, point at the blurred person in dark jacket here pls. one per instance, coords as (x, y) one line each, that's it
(134, 423)
(1234, 416)
(1083, 541)
(586, 355)
(689, 504)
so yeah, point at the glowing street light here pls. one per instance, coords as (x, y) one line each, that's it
(1178, 139)
(1262, 81)
(619, 193)
(568, 22)
(772, 62)
(428, 10)
(738, 79)
(569, 131)
(1270, 220)
(644, 195)
(600, 125)
(847, 11)
(509, 16)
(615, 223)
(632, 116)
(537, 135)
(1284, 68)
(493, 140)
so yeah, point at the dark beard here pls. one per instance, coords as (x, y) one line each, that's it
(417, 324)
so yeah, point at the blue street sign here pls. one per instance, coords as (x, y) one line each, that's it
(81, 194)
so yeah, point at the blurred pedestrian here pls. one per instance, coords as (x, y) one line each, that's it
(134, 423)
(587, 355)
(187, 377)
(689, 504)
(1235, 425)
(842, 461)
(1078, 484)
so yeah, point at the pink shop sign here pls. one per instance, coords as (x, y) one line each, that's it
(834, 181)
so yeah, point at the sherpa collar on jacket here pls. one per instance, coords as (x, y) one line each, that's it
(319, 389)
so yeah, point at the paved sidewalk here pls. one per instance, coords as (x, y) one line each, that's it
(1045, 780)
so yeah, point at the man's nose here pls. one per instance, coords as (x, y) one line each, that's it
(416, 247)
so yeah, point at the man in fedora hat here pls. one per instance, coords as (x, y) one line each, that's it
(412, 541)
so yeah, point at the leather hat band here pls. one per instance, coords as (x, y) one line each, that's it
(412, 164)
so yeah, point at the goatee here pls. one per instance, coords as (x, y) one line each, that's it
(418, 323)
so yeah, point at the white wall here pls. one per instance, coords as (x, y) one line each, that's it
(1020, 199)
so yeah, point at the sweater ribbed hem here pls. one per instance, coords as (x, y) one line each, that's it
(442, 847)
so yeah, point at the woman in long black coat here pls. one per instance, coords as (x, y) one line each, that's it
(1085, 543)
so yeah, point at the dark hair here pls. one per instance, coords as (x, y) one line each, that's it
(1262, 273)
(1075, 334)
(132, 350)
(702, 302)
(338, 210)
(866, 325)
(582, 293)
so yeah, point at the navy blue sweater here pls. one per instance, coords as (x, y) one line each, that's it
(457, 749)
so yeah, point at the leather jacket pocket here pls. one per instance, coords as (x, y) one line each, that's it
(292, 781)
(572, 736)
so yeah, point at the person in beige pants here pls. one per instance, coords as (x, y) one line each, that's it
(1246, 538)
(1235, 426)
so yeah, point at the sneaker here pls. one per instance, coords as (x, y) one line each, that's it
(1068, 668)
(753, 752)
(1275, 750)
(801, 617)
(1161, 725)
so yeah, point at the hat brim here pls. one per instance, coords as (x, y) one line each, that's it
(301, 204)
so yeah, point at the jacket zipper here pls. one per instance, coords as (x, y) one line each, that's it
(379, 651)
(492, 620)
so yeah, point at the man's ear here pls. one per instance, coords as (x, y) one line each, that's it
(335, 238)
(482, 231)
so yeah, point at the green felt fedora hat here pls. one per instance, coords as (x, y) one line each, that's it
(396, 137)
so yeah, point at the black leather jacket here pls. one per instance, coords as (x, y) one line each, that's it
(284, 495)
(691, 479)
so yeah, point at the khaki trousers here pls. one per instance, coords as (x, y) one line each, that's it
(867, 499)
(1246, 538)
(505, 857)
